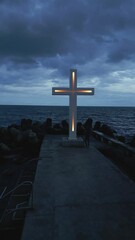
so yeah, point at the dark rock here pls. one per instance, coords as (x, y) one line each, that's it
(3, 131)
(30, 137)
(4, 135)
(16, 134)
(107, 130)
(47, 126)
(57, 126)
(88, 128)
(14, 126)
(97, 126)
(121, 139)
(65, 126)
(80, 128)
(87, 131)
(39, 129)
(26, 124)
(8, 172)
(88, 122)
(4, 148)
(31, 143)
(57, 129)
(48, 122)
(132, 142)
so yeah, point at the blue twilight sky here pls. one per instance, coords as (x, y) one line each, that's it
(40, 40)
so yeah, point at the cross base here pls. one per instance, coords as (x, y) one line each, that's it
(68, 142)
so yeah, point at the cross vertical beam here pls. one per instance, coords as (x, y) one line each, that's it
(73, 91)
(72, 105)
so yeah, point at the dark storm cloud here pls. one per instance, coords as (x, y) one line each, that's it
(32, 35)
(41, 40)
(38, 29)
(125, 49)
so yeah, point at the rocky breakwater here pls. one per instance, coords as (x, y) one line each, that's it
(19, 152)
(123, 155)
(25, 138)
(61, 128)
(108, 131)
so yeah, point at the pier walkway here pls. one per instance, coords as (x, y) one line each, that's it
(79, 195)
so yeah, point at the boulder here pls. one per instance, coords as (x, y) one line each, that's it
(16, 134)
(4, 148)
(121, 139)
(80, 128)
(48, 122)
(47, 126)
(97, 126)
(39, 129)
(132, 142)
(31, 143)
(88, 123)
(57, 129)
(4, 135)
(3, 131)
(26, 124)
(107, 130)
(65, 126)
(32, 138)
(57, 126)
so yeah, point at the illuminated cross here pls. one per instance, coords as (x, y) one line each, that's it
(73, 91)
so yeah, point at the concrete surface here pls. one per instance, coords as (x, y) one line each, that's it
(78, 142)
(79, 195)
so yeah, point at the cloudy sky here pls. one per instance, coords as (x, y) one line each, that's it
(40, 40)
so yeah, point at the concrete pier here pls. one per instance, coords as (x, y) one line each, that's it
(79, 195)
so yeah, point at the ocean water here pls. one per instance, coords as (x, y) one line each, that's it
(121, 119)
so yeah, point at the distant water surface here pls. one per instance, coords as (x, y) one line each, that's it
(122, 119)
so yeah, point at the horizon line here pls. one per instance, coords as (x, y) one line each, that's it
(32, 105)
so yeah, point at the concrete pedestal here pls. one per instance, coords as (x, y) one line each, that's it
(67, 142)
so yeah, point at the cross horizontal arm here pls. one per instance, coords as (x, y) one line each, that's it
(60, 91)
(85, 91)
(68, 91)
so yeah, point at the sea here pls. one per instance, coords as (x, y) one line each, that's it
(121, 119)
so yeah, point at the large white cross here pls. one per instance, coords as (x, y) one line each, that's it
(73, 91)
